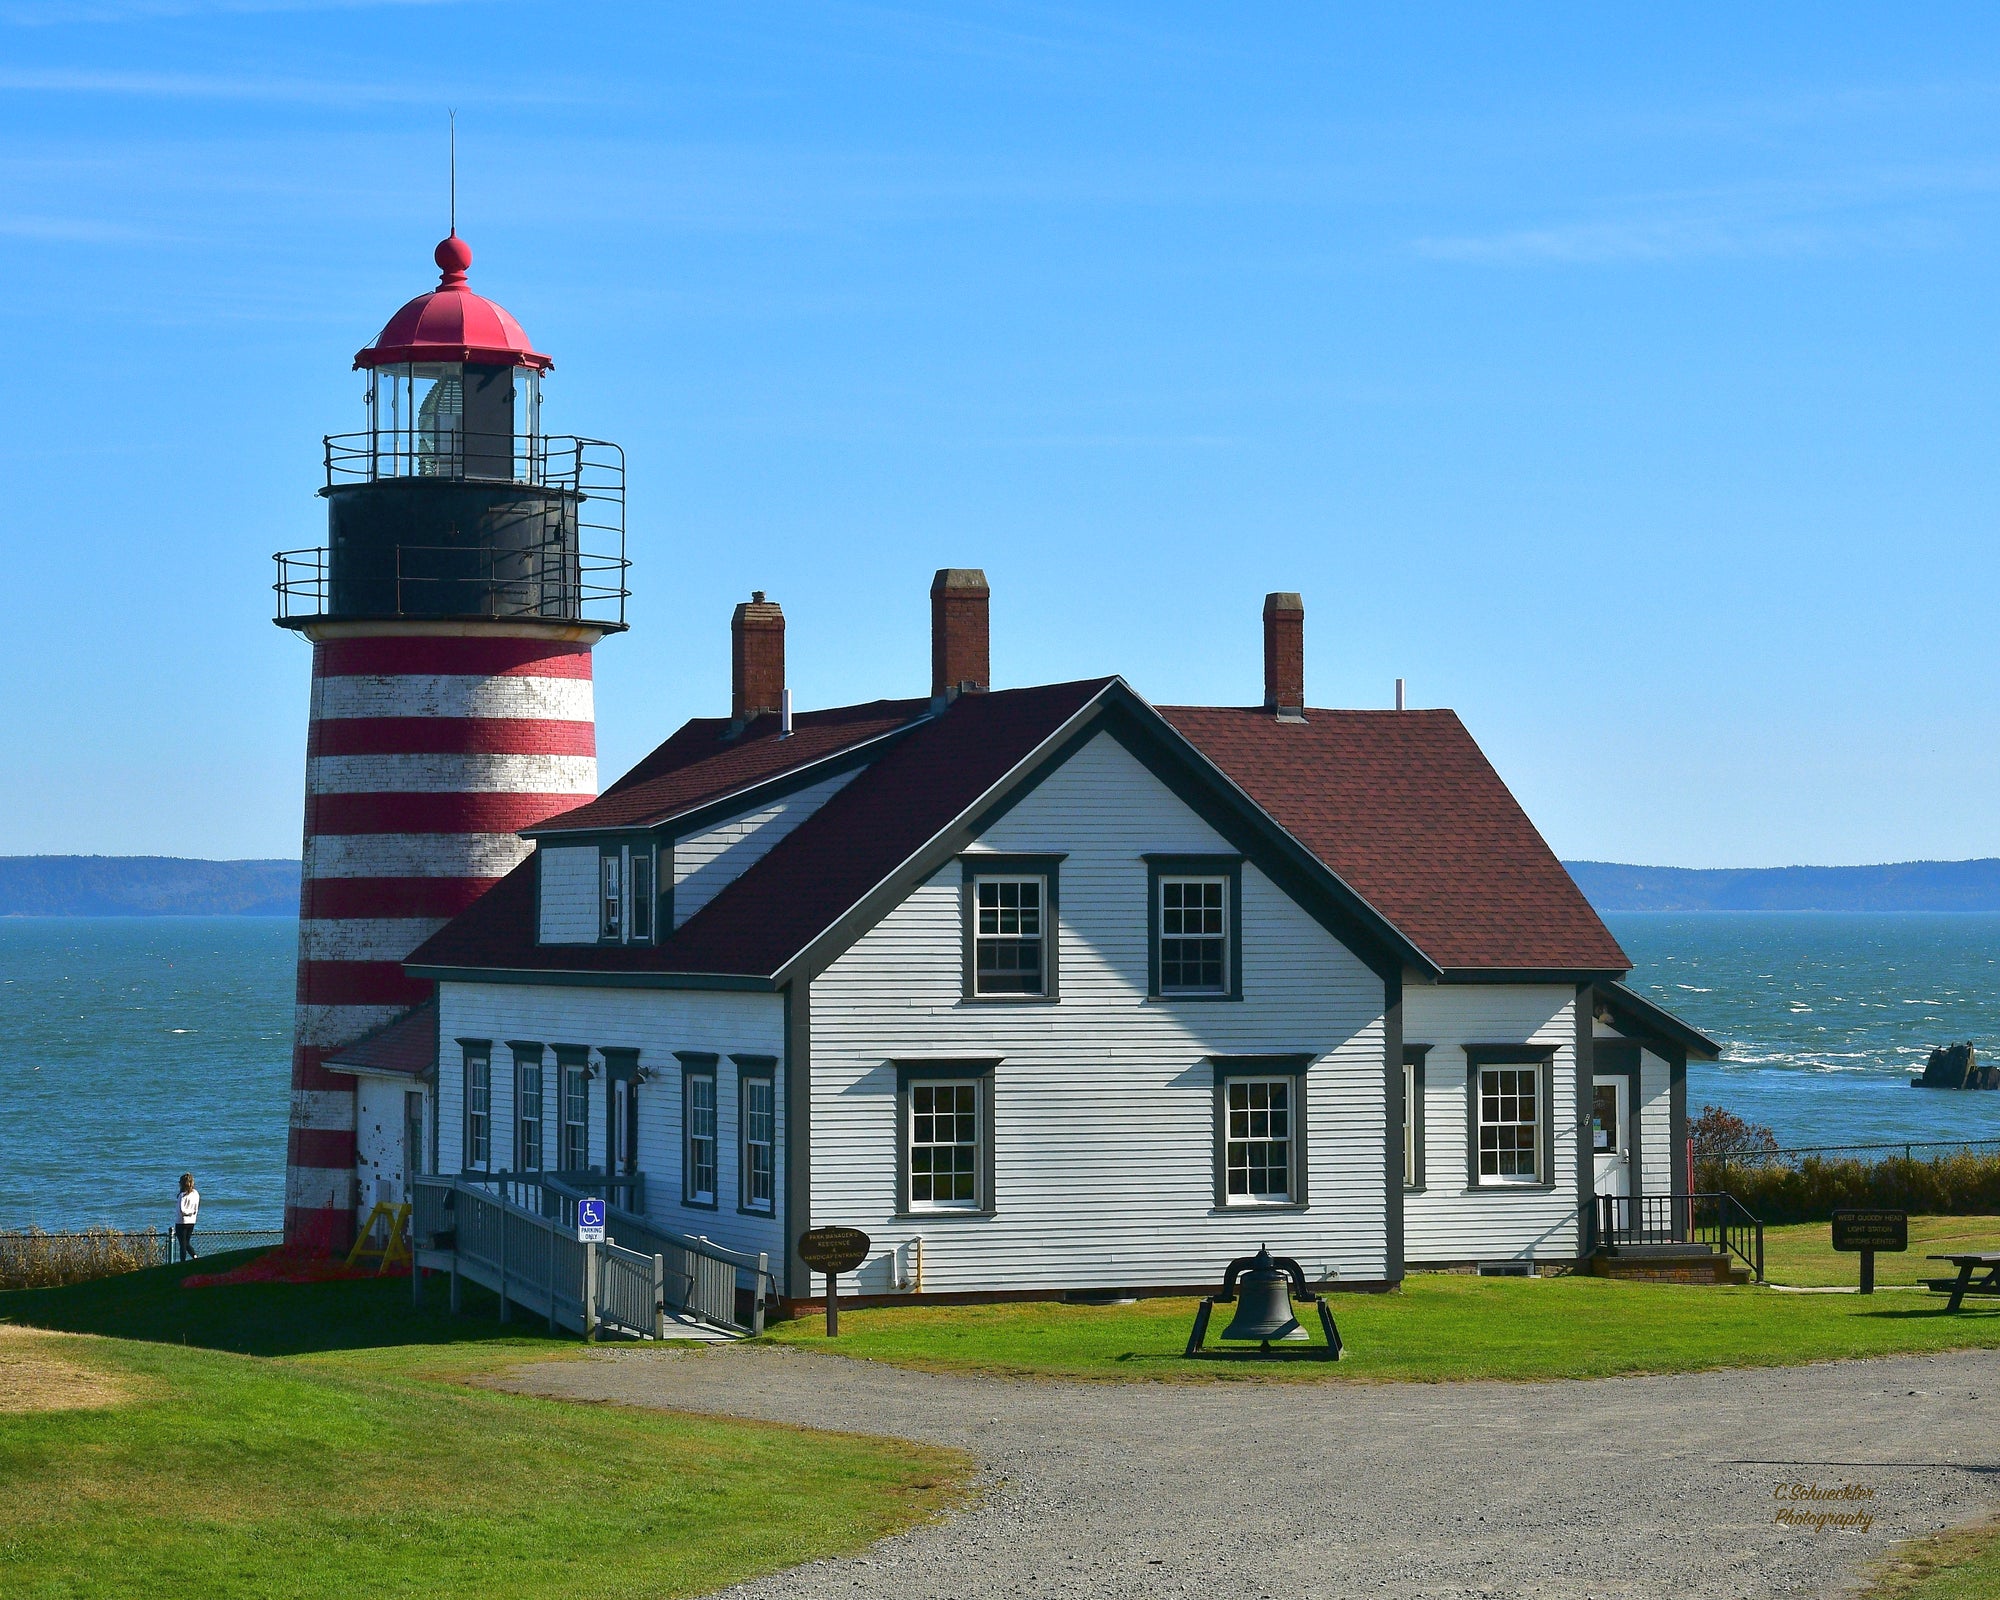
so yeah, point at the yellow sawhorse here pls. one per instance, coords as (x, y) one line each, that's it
(397, 1218)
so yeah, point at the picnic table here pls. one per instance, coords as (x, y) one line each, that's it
(1968, 1263)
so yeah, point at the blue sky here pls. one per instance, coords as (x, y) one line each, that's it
(1623, 379)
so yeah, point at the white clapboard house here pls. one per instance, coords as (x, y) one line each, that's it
(1051, 989)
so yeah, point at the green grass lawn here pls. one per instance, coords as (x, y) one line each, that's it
(1803, 1253)
(1437, 1327)
(1963, 1564)
(316, 1440)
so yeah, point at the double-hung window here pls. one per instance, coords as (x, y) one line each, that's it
(527, 1105)
(573, 1096)
(1260, 1131)
(1509, 1114)
(642, 894)
(1413, 1115)
(610, 896)
(478, 1104)
(758, 1122)
(699, 1152)
(946, 1137)
(1197, 926)
(1008, 935)
(1011, 926)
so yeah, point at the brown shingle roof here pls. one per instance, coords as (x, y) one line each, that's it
(1402, 806)
(917, 787)
(1405, 807)
(701, 763)
(404, 1044)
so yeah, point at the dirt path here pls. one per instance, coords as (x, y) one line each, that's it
(1654, 1487)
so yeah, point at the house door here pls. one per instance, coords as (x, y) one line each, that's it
(621, 1140)
(1610, 1140)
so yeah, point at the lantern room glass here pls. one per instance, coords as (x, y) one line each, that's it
(457, 420)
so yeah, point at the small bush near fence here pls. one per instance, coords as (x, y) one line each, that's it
(38, 1260)
(1958, 1184)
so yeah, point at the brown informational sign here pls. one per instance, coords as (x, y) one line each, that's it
(833, 1250)
(1871, 1230)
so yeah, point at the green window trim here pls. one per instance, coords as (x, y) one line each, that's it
(1229, 868)
(1480, 1058)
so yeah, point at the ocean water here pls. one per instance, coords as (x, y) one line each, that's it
(1825, 1018)
(134, 1049)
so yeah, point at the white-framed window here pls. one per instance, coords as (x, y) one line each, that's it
(1009, 935)
(642, 895)
(575, 1095)
(478, 1107)
(1259, 1141)
(1409, 1124)
(1194, 935)
(527, 1107)
(698, 1121)
(760, 1142)
(610, 895)
(944, 1144)
(1510, 1122)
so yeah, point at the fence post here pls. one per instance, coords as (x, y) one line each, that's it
(502, 1209)
(659, 1297)
(757, 1295)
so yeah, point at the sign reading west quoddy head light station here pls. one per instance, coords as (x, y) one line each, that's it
(1871, 1229)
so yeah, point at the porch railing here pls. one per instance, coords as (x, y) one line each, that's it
(1720, 1221)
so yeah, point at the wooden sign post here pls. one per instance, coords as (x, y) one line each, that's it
(1868, 1231)
(833, 1251)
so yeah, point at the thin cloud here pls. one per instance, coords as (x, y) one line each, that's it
(1679, 240)
(57, 13)
(207, 86)
(74, 230)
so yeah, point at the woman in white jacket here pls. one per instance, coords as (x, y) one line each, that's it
(190, 1208)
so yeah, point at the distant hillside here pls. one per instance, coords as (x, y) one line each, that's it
(1903, 886)
(146, 886)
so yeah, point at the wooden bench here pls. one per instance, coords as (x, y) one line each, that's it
(1987, 1261)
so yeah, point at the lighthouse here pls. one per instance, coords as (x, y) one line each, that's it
(472, 563)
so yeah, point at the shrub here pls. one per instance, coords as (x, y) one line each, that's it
(38, 1260)
(1721, 1135)
(1959, 1184)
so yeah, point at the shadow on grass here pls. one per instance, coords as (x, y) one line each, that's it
(264, 1319)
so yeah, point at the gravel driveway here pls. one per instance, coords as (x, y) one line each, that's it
(1655, 1487)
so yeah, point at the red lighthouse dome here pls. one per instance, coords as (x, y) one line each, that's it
(453, 324)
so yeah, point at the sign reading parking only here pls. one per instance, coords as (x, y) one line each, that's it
(590, 1222)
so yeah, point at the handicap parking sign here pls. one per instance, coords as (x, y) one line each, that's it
(590, 1222)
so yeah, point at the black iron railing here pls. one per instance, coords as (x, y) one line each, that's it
(441, 580)
(1720, 1221)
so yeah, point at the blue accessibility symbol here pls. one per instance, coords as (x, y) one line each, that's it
(590, 1222)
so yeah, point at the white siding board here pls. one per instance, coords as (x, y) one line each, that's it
(655, 1022)
(706, 863)
(1103, 1103)
(1451, 1220)
(1656, 1126)
(568, 893)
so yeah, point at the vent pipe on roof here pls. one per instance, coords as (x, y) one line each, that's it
(1400, 705)
(959, 643)
(756, 659)
(785, 714)
(1285, 656)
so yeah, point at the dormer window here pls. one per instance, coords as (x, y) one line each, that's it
(611, 896)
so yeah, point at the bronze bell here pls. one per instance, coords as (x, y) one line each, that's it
(1264, 1305)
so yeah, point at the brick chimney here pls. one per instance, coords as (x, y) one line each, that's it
(958, 633)
(756, 658)
(1285, 657)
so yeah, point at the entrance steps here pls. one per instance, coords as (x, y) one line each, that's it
(1668, 1263)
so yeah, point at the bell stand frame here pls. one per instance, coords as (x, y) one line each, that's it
(1333, 1349)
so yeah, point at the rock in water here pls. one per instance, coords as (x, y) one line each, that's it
(1956, 1066)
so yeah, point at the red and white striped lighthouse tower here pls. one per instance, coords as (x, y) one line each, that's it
(452, 614)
